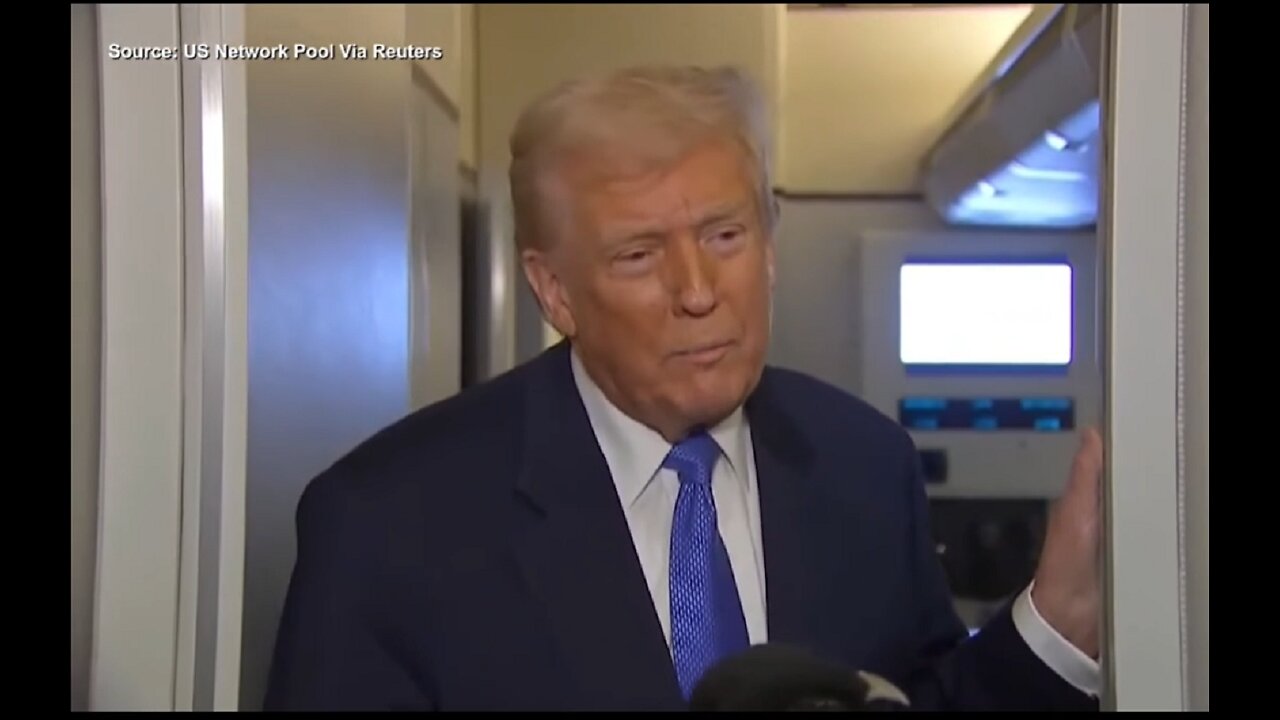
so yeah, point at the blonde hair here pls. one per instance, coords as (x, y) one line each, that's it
(629, 121)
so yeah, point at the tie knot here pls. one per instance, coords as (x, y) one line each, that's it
(694, 458)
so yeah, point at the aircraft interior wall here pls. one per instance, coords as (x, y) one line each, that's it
(989, 514)
(331, 240)
(817, 302)
(363, 228)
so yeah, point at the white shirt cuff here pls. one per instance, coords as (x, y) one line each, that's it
(1078, 669)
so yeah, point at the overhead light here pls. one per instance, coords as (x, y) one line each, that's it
(1055, 141)
(1028, 173)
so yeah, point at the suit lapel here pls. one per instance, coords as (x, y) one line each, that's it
(817, 541)
(791, 518)
(576, 553)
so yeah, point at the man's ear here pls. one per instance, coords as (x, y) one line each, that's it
(548, 287)
(769, 262)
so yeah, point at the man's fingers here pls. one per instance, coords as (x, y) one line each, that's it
(1087, 468)
(1084, 488)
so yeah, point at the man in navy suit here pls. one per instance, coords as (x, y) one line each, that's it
(595, 528)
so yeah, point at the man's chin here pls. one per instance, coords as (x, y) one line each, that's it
(708, 409)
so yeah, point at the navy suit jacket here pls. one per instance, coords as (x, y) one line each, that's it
(475, 556)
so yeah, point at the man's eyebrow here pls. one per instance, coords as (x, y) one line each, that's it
(660, 231)
(633, 234)
(721, 214)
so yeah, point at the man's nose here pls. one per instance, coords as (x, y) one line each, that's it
(692, 274)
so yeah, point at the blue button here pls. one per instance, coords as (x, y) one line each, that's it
(1046, 404)
(924, 403)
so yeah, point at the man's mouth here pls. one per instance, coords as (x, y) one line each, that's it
(706, 353)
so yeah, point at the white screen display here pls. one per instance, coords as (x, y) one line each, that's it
(985, 314)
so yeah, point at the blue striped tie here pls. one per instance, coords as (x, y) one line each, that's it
(706, 614)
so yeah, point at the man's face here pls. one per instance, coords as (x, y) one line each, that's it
(664, 281)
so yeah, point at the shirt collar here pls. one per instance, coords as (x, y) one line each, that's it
(634, 451)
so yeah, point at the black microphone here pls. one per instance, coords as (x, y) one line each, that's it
(774, 677)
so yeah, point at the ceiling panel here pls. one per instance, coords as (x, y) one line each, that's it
(868, 89)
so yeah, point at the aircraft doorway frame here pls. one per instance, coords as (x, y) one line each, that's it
(1143, 235)
(168, 589)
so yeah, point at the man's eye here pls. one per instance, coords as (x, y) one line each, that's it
(634, 256)
(633, 260)
(728, 235)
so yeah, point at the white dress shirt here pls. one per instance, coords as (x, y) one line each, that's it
(647, 491)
